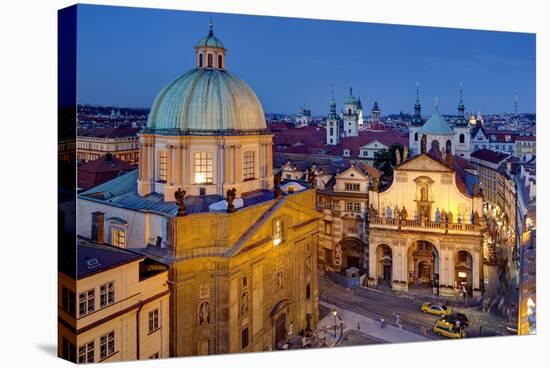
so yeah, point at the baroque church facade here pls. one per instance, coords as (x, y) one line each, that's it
(426, 226)
(241, 253)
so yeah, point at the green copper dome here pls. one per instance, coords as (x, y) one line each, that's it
(207, 101)
(210, 41)
(436, 125)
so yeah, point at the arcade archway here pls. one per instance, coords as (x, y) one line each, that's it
(352, 253)
(384, 264)
(423, 264)
(463, 262)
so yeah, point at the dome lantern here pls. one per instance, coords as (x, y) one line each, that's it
(209, 51)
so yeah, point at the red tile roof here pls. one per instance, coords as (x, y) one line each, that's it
(489, 155)
(101, 170)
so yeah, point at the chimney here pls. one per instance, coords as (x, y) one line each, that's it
(98, 225)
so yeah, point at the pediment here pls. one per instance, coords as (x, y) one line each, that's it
(423, 162)
(374, 144)
(352, 173)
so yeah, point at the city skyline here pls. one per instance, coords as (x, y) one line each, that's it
(138, 50)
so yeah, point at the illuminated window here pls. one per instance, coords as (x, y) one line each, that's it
(86, 353)
(107, 294)
(118, 237)
(162, 166)
(248, 165)
(86, 302)
(107, 345)
(154, 323)
(277, 231)
(328, 227)
(203, 168)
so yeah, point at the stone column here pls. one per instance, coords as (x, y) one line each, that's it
(186, 166)
(177, 164)
(238, 163)
(140, 166)
(372, 263)
(151, 162)
(232, 164)
(169, 165)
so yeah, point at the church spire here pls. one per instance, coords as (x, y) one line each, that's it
(417, 118)
(461, 117)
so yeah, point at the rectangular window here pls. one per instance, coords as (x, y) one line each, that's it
(328, 256)
(119, 237)
(244, 338)
(204, 168)
(68, 351)
(353, 206)
(154, 320)
(277, 231)
(107, 345)
(352, 186)
(86, 353)
(308, 291)
(106, 294)
(86, 302)
(68, 301)
(328, 227)
(248, 165)
(162, 166)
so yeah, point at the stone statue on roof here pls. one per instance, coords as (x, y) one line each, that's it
(180, 195)
(231, 195)
(311, 176)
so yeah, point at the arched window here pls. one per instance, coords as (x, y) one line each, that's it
(331, 131)
(461, 138)
(416, 137)
(210, 60)
(423, 143)
(200, 60)
(449, 147)
(248, 165)
(204, 168)
(220, 61)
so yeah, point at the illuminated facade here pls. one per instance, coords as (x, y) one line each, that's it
(426, 227)
(242, 255)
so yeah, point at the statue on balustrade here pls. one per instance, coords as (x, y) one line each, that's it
(437, 215)
(396, 213)
(404, 213)
(388, 213)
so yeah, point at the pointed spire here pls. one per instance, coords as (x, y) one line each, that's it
(460, 92)
(351, 91)
(437, 104)
(417, 92)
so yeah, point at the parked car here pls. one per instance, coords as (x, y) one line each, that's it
(435, 308)
(449, 330)
(453, 318)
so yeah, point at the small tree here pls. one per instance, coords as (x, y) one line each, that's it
(385, 159)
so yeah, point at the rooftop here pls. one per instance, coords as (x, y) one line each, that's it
(93, 258)
(489, 156)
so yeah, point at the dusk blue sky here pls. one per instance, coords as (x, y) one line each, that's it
(126, 55)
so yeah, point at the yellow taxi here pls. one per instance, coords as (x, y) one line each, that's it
(449, 330)
(435, 308)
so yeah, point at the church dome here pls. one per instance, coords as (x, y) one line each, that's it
(436, 125)
(207, 99)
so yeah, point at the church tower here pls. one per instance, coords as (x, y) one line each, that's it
(416, 124)
(462, 130)
(351, 118)
(333, 126)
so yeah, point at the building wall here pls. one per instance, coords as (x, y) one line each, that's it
(132, 297)
(92, 148)
(227, 161)
(207, 271)
(141, 228)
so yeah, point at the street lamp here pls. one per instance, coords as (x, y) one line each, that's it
(334, 313)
